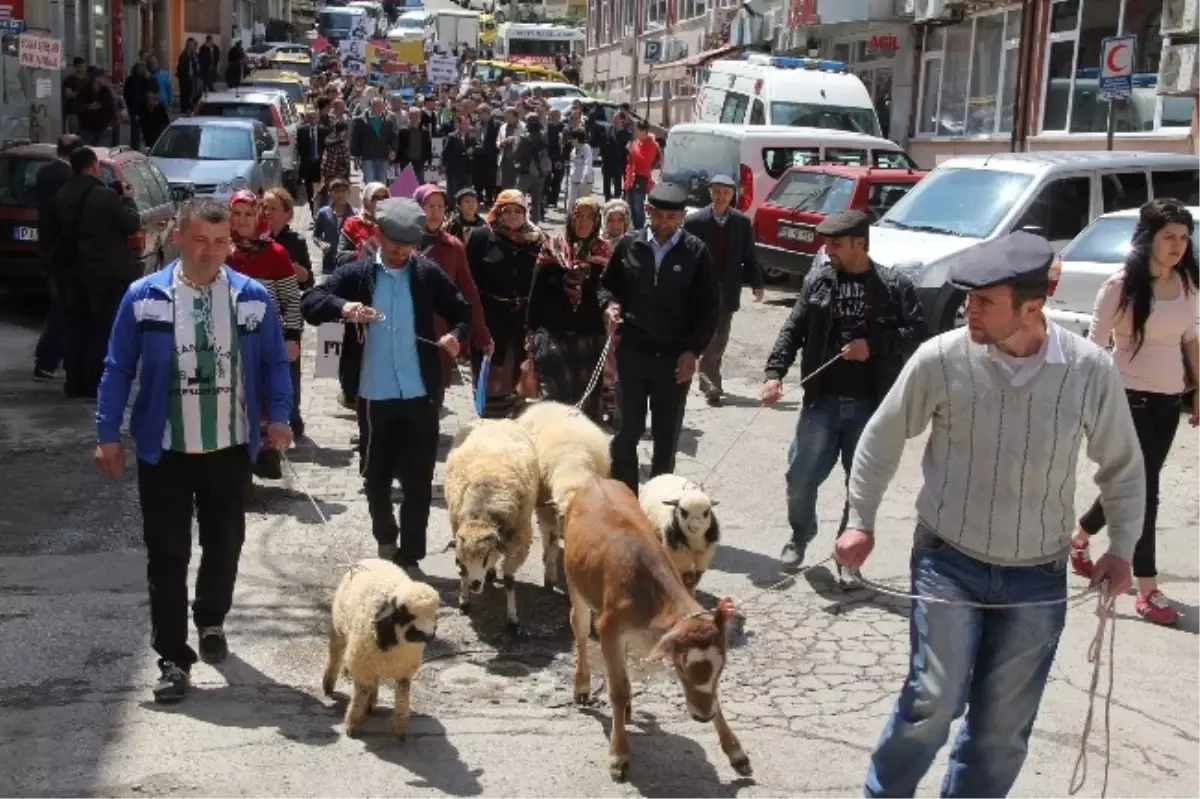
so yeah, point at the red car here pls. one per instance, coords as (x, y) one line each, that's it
(784, 225)
(20, 267)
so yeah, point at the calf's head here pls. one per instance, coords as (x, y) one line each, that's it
(693, 511)
(478, 549)
(696, 647)
(412, 619)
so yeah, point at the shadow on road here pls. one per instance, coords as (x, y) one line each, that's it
(663, 764)
(428, 755)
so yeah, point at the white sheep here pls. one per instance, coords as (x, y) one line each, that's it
(382, 620)
(491, 490)
(683, 517)
(571, 448)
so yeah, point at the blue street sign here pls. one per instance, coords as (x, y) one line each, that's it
(653, 51)
(12, 27)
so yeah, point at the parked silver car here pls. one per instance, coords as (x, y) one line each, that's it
(218, 156)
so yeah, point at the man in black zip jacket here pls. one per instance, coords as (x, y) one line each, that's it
(660, 288)
(857, 322)
(395, 369)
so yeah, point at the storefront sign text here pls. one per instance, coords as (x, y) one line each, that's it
(887, 42)
(39, 52)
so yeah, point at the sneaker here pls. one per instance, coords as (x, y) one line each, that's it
(849, 579)
(213, 646)
(44, 375)
(791, 557)
(172, 685)
(1154, 608)
(1081, 559)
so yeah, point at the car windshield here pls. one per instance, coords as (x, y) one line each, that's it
(958, 202)
(204, 143)
(18, 174)
(831, 117)
(237, 111)
(303, 68)
(295, 91)
(410, 22)
(1107, 241)
(813, 191)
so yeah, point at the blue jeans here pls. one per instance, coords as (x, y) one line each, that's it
(993, 664)
(374, 170)
(637, 208)
(826, 430)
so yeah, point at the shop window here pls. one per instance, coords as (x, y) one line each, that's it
(1124, 190)
(968, 76)
(1060, 210)
(1071, 94)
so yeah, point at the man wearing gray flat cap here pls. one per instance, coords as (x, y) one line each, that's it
(388, 301)
(1007, 401)
(660, 291)
(729, 236)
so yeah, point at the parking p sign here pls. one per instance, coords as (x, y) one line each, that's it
(1116, 67)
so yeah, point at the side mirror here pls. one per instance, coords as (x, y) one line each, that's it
(182, 192)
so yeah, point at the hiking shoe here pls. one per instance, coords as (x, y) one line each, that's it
(791, 557)
(44, 375)
(1081, 559)
(172, 685)
(1154, 608)
(213, 646)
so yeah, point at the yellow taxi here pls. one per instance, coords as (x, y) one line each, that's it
(295, 84)
(298, 63)
(496, 71)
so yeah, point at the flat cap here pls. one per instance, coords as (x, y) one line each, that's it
(668, 197)
(1016, 259)
(400, 220)
(844, 223)
(722, 180)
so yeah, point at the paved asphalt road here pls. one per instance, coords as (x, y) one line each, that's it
(811, 677)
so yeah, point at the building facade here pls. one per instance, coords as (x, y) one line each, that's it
(947, 77)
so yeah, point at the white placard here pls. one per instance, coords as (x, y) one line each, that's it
(329, 349)
(39, 52)
(43, 88)
(442, 69)
(437, 146)
(352, 56)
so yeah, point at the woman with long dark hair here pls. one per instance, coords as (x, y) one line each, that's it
(1148, 310)
(278, 207)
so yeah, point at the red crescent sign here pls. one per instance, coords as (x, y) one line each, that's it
(1111, 61)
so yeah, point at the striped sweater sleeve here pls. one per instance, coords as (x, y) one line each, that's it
(285, 291)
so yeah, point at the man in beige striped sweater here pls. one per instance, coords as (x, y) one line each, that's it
(1010, 398)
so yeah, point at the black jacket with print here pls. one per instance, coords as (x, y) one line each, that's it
(896, 328)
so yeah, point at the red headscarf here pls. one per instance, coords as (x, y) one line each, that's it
(259, 257)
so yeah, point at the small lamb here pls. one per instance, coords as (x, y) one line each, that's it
(491, 490)
(382, 620)
(682, 516)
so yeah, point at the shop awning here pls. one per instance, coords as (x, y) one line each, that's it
(676, 70)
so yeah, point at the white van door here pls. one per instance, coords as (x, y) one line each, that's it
(733, 111)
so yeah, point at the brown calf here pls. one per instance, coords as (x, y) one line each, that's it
(618, 569)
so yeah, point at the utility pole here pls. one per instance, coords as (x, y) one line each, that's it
(638, 21)
(672, 8)
(1111, 121)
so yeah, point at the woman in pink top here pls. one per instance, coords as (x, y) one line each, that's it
(1148, 310)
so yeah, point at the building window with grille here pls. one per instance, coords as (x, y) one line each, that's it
(968, 76)
(1070, 97)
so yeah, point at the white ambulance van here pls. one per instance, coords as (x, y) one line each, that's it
(762, 89)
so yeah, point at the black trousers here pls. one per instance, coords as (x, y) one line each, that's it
(92, 307)
(399, 436)
(1156, 418)
(612, 184)
(554, 184)
(645, 378)
(214, 483)
(294, 371)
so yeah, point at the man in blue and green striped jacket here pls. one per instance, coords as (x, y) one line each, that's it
(206, 346)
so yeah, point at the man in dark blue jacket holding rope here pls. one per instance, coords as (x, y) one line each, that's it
(390, 361)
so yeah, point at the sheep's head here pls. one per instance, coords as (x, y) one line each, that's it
(693, 511)
(412, 619)
(478, 549)
(696, 648)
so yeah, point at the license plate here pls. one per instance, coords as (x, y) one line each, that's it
(21, 233)
(793, 233)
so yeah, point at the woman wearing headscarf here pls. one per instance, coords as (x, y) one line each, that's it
(615, 215)
(335, 161)
(358, 232)
(256, 255)
(447, 252)
(502, 258)
(1147, 310)
(467, 217)
(564, 323)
